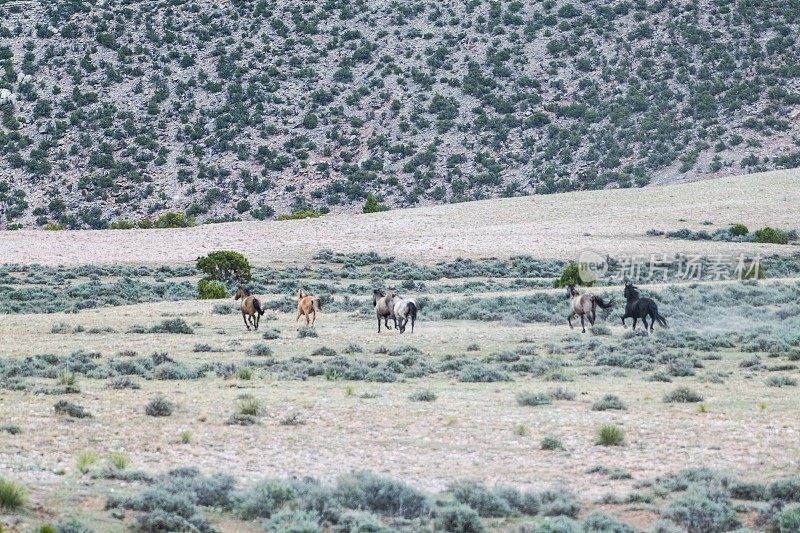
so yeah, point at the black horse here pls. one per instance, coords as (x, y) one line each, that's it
(637, 308)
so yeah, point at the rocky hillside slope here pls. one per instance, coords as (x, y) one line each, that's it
(239, 109)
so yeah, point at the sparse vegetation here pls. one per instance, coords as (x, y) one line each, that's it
(610, 435)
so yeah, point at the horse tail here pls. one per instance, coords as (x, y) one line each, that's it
(257, 307)
(661, 319)
(603, 304)
(412, 311)
(317, 304)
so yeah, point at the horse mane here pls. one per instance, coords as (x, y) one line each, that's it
(245, 291)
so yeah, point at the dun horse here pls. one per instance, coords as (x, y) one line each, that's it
(250, 306)
(637, 308)
(585, 305)
(307, 306)
(384, 307)
(404, 309)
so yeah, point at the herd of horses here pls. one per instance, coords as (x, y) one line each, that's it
(404, 310)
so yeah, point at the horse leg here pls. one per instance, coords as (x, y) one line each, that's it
(652, 320)
(583, 328)
(634, 322)
(313, 317)
(379, 324)
(623, 322)
(569, 320)
(644, 321)
(244, 317)
(257, 319)
(386, 322)
(592, 317)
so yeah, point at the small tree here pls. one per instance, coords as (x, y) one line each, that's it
(225, 266)
(372, 205)
(571, 276)
(739, 230)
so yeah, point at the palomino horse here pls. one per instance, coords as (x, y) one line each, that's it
(585, 305)
(384, 308)
(307, 306)
(636, 308)
(403, 310)
(250, 306)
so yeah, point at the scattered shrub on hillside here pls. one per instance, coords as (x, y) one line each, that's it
(74, 410)
(781, 381)
(551, 443)
(682, 395)
(424, 395)
(609, 402)
(533, 399)
(259, 349)
(306, 331)
(458, 518)
(159, 406)
(172, 325)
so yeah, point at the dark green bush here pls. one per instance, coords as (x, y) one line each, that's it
(210, 290)
(739, 230)
(771, 235)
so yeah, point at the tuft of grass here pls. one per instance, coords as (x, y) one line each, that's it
(249, 406)
(533, 399)
(702, 408)
(473, 348)
(450, 421)
(682, 395)
(118, 460)
(85, 460)
(423, 395)
(244, 373)
(68, 379)
(12, 495)
(349, 390)
(610, 435)
(185, 436)
(521, 430)
(551, 443)
(159, 406)
(609, 402)
(761, 405)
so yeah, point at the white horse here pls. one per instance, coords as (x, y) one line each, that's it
(404, 309)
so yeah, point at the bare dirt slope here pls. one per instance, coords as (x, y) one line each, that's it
(559, 225)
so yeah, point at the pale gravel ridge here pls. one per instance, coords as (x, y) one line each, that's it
(546, 226)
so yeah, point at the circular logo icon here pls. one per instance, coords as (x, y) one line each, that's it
(591, 266)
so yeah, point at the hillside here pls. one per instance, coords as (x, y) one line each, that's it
(613, 222)
(247, 109)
